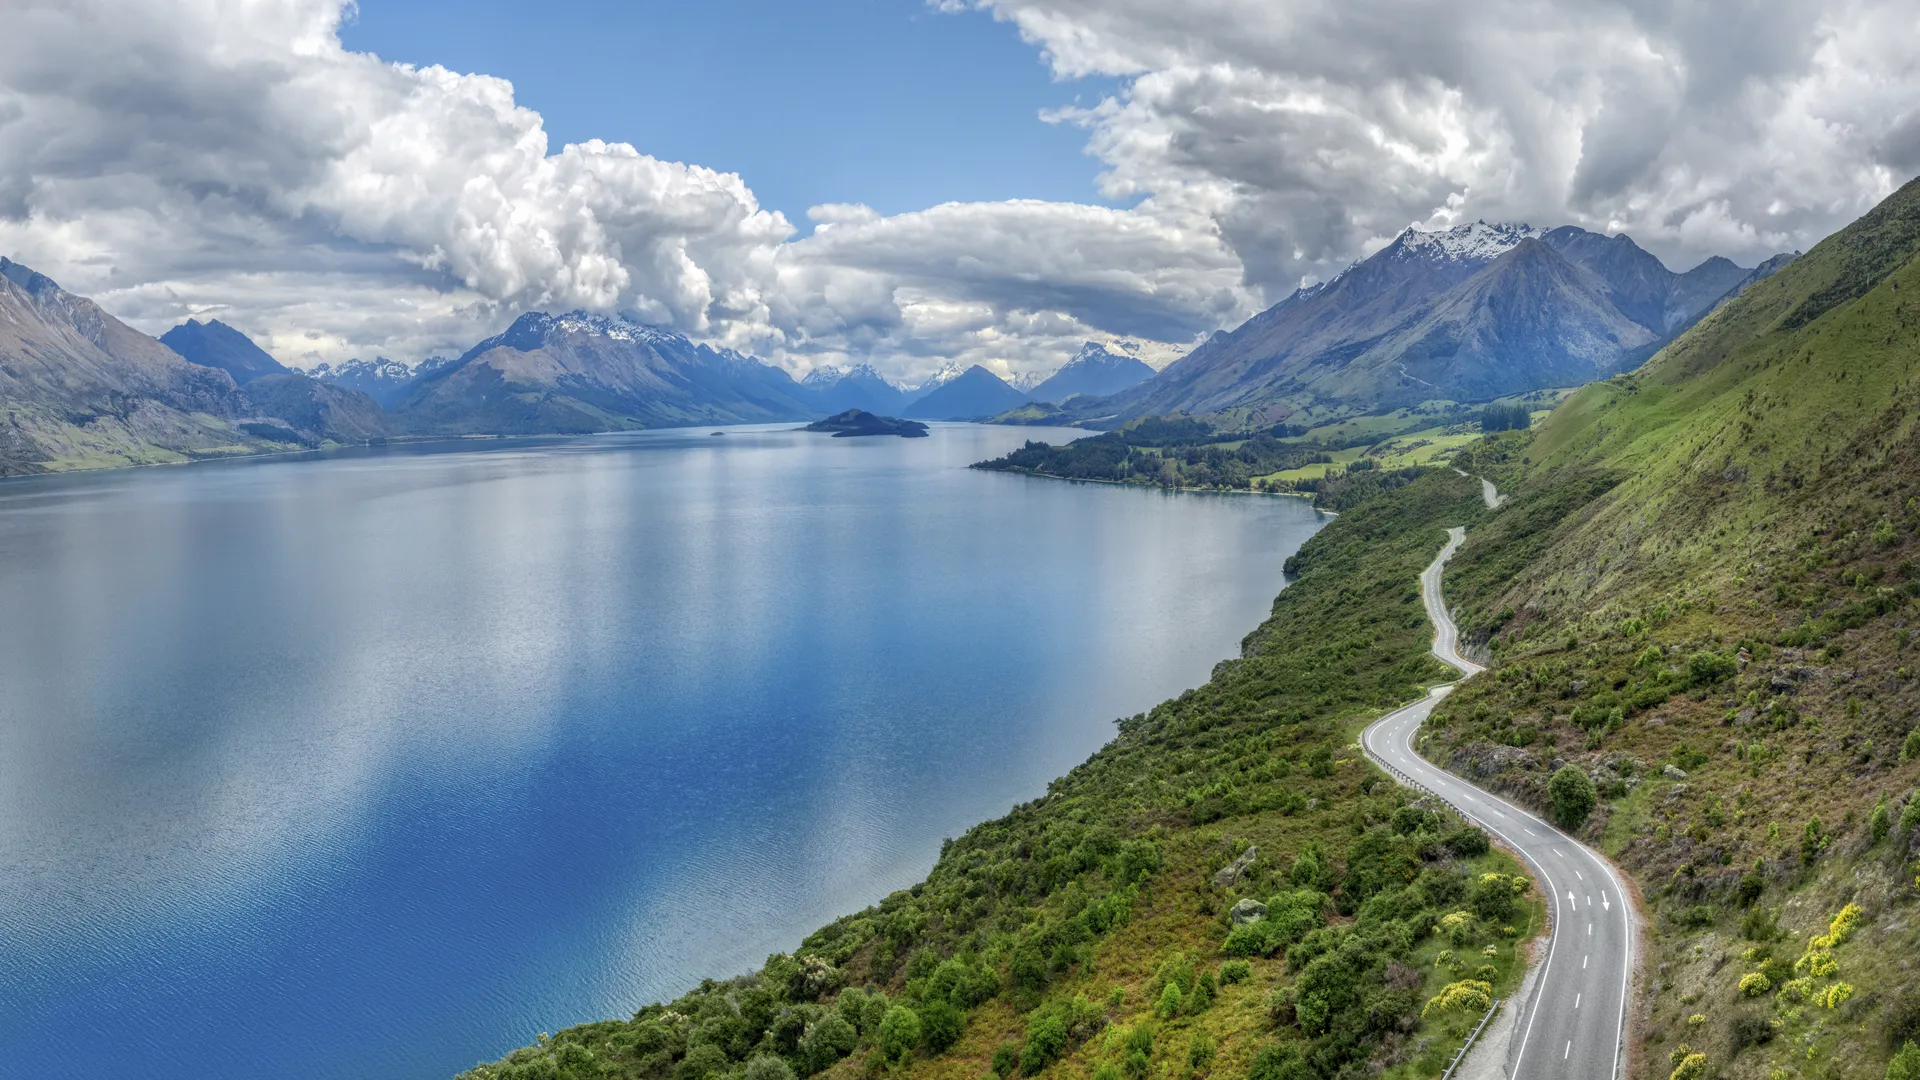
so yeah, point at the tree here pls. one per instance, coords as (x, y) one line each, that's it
(899, 1033)
(940, 1025)
(768, 1067)
(1905, 1064)
(1573, 796)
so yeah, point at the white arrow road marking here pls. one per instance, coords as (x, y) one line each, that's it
(1603, 901)
(1570, 899)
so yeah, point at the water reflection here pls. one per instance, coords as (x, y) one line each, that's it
(377, 764)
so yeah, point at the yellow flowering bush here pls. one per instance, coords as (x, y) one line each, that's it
(1755, 984)
(1469, 994)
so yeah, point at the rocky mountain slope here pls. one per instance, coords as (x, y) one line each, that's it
(859, 387)
(215, 344)
(583, 373)
(290, 406)
(1472, 313)
(971, 395)
(81, 389)
(1094, 371)
(1700, 605)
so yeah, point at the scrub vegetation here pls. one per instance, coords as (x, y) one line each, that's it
(1227, 889)
(1702, 601)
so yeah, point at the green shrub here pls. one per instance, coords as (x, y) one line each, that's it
(1046, 1038)
(1881, 823)
(1170, 999)
(1905, 1064)
(899, 1033)
(1234, 971)
(1910, 749)
(1573, 795)
(1006, 1058)
(768, 1067)
(940, 1024)
(1466, 842)
(1709, 668)
(829, 1039)
(1280, 1063)
(702, 1060)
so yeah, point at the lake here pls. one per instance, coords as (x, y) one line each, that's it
(378, 764)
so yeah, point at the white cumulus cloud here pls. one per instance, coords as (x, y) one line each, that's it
(230, 158)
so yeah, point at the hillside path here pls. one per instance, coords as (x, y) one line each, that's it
(1573, 1026)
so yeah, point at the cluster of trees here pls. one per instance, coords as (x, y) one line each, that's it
(1013, 911)
(1125, 457)
(1508, 417)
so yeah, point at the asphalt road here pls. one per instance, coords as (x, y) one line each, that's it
(1575, 1024)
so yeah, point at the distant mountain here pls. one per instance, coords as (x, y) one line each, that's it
(287, 406)
(581, 373)
(1094, 371)
(214, 344)
(1471, 313)
(974, 393)
(383, 380)
(861, 387)
(948, 372)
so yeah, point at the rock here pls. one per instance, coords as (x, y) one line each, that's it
(1673, 772)
(1745, 716)
(1246, 912)
(1229, 875)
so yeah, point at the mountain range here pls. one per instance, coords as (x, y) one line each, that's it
(1468, 314)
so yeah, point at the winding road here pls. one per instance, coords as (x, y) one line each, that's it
(1574, 1025)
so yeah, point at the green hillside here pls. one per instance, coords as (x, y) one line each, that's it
(1086, 934)
(1703, 595)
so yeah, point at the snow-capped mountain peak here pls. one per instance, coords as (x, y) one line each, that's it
(1478, 240)
(948, 372)
(830, 376)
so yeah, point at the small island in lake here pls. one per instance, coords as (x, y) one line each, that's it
(857, 422)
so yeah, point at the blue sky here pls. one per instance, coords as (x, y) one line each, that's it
(885, 102)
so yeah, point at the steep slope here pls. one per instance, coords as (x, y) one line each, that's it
(286, 405)
(973, 394)
(1094, 371)
(1701, 599)
(81, 389)
(859, 387)
(314, 411)
(1478, 313)
(578, 373)
(214, 344)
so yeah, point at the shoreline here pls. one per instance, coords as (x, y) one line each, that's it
(1157, 487)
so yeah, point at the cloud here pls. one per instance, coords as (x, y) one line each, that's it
(1311, 131)
(231, 158)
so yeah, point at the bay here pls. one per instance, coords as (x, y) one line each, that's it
(378, 764)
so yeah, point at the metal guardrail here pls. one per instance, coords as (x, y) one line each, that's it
(1471, 1039)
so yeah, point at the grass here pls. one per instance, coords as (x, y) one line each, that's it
(1751, 495)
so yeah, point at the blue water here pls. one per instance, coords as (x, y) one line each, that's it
(377, 765)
